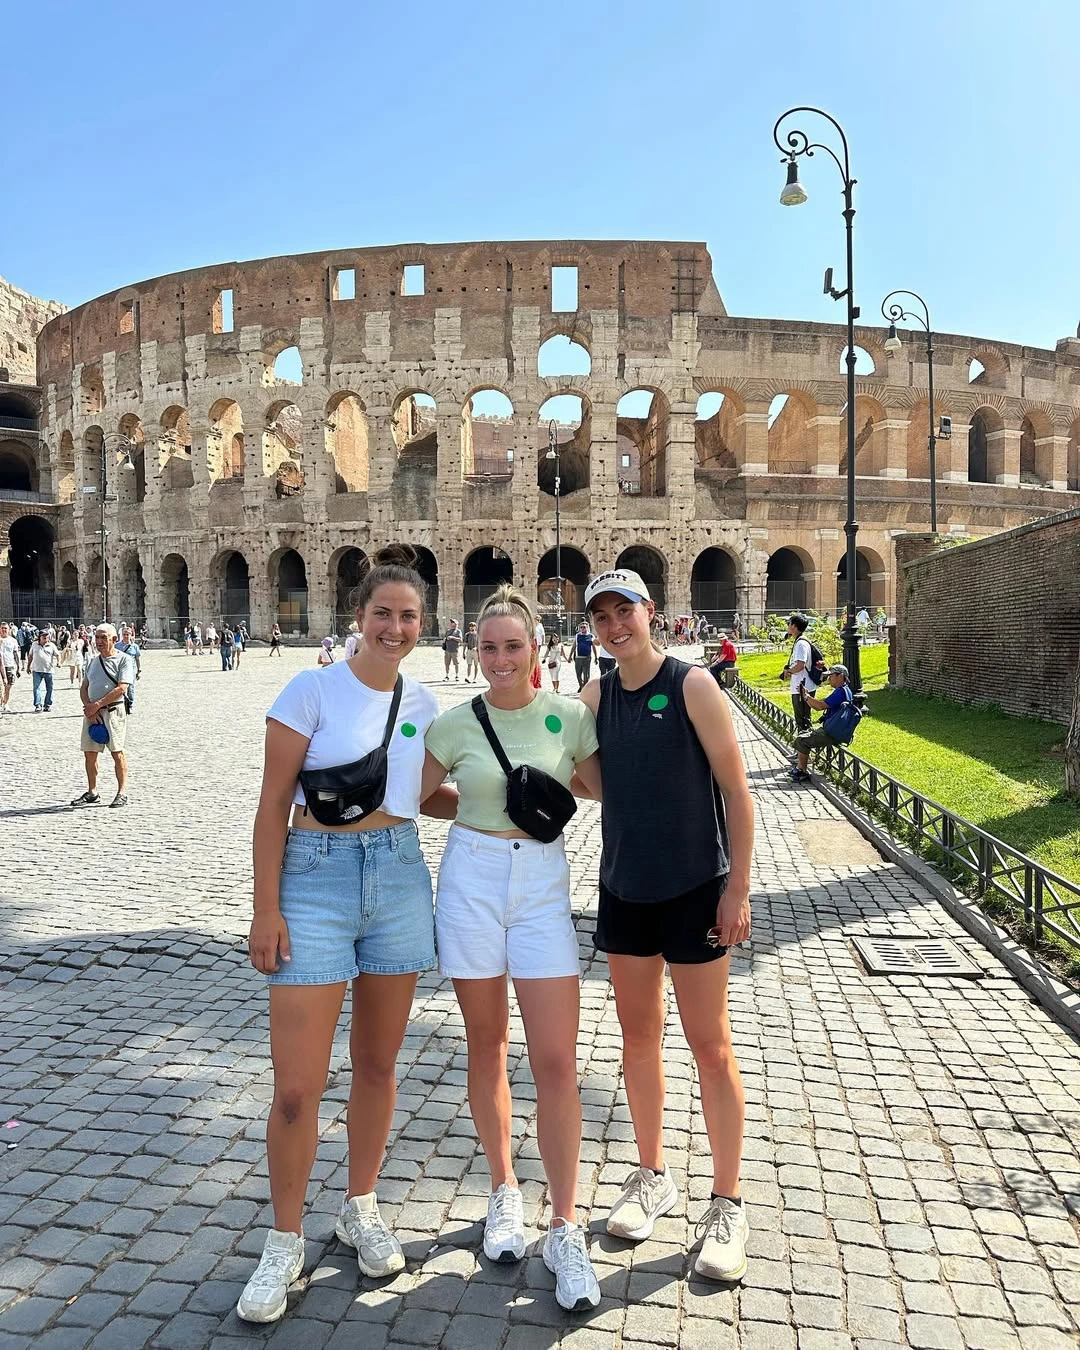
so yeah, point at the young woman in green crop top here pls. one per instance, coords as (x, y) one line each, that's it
(503, 906)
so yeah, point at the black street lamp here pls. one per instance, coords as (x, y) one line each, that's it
(795, 144)
(125, 443)
(553, 453)
(896, 313)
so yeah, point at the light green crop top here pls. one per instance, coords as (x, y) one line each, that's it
(553, 733)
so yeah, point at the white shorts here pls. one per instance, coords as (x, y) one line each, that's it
(504, 905)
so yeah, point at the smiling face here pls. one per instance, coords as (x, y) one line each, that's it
(391, 621)
(507, 651)
(622, 625)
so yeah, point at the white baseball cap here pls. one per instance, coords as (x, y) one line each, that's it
(622, 581)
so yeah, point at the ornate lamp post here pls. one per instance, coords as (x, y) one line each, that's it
(124, 443)
(896, 313)
(796, 143)
(553, 453)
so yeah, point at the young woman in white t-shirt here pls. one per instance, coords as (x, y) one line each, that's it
(504, 906)
(337, 905)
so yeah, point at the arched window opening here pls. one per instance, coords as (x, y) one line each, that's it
(65, 467)
(869, 439)
(347, 571)
(650, 567)
(283, 448)
(415, 427)
(223, 451)
(487, 434)
(428, 567)
(573, 435)
(1031, 470)
(17, 412)
(288, 367)
(559, 356)
(69, 579)
(127, 467)
(33, 572)
(93, 438)
(292, 590)
(485, 568)
(234, 592)
(129, 600)
(575, 577)
(976, 371)
(789, 435)
(717, 434)
(642, 421)
(93, 392)
(864, 583)
(18, 472)
(347, 442)
(864, 362)
(983, 425)
(714, 586)
(175, 594)
(785, 583)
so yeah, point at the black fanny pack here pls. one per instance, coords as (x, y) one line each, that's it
(349, 792)
(535, 802)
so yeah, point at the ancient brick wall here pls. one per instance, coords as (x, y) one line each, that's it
(993, 621)
(22, 316)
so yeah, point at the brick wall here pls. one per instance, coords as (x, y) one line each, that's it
(21, 319)
(1012, 598)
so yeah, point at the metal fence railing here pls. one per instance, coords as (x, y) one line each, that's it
(980, 863)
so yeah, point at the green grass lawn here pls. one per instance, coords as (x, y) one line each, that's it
(1006, 774)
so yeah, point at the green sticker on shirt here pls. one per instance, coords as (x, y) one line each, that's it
(553, 724)
(407, 729)
(657, 702)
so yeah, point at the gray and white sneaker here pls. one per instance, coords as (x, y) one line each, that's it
(504, 1231)
(723, 1229)
(567, 1257)
(267, 1292)
(378, 1252)
(645, 1196)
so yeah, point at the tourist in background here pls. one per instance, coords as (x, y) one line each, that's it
(554, 656)
(130, 647)
(44, 658)
(326, 652)
(472, 665)
(583, 653)
(451, 647)
(275, 641)
(797, 671)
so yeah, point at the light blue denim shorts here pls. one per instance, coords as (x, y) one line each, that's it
(355, 903)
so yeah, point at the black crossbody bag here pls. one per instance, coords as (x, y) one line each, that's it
(349, 792)
(535, 802)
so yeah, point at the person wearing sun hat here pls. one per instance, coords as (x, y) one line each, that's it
(677, 827)
(109, 675)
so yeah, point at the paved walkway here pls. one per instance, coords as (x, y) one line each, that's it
(912, 1167)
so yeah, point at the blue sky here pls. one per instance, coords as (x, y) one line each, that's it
(135, 146)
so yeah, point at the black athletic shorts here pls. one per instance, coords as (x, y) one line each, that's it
(675, 929)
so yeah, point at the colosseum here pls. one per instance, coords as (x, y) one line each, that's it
(229, 442)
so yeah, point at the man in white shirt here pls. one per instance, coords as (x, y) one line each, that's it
(44, 657)
(797, 671)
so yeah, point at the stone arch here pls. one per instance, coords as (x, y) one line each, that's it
(428, 567)
(790, 582)
(483, 569)
(284, 364)
(175, 592)
(714, 585)
(917, 458)
(791, 448)
(561, 356)
(642, 424)
(576, 570)
(230, 583)
(226, 424)
(346, 568)
(572, 414)
(65, 467)
(869, 437)
(288, 575)
(866, 362)
(719, 436)
(414, 424)
(986, 423)
(282, 440)
(346, 427)
(1036, 450)
(18, 468)
(651, 566)
(130, 472)
(91, 391)
(31, 545)
(93, 441)
(487, 433)
(69, 579)
(129, 598)
(870, 579)
(985, 366)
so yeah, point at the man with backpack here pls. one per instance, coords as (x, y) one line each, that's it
(837, 727)
(805, 669)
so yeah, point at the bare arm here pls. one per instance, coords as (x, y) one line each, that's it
(586, 779)
(283, 758)
(437, 800)
(813, 702)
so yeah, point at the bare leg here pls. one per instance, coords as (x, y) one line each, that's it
(302, 1022)
(486, 1010)
(549, 1009)
(119, 760)
(91, 758)
(638, 982)
(701, 992)
(381, 1007)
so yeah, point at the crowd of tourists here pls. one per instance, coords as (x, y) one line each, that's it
(229, 641)
(355, 751)
(45, 653)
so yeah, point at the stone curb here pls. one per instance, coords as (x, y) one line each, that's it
(1061, 1001)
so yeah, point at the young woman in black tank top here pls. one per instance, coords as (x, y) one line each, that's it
(678, 826)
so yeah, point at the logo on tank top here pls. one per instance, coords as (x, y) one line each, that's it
(657, 704)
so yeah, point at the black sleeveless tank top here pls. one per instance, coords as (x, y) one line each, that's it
(663, 816)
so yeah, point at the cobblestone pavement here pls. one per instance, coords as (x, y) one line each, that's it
(911, 1156)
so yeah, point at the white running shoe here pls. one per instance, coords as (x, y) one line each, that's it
(267, 1292)
(567, 1257)
(725, 1228)
(645, 1196)
(360, 1225)
(504, 1231)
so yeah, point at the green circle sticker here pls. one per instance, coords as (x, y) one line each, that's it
(407, 729)
(553, 724)
(657, 702)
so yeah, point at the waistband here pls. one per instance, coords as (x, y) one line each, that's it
(329, 841)
(494, 847)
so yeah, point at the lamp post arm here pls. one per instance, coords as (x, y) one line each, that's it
(896, 313)
(796, 142)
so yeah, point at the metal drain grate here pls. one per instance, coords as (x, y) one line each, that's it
(914, 956)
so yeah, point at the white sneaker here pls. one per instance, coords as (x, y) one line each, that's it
(360, 1225)
(504, 1231)
(645, 1196)
(267, 1292)
(725, 1228)
(567, 1257)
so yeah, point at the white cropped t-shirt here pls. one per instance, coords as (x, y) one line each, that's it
(345, 719)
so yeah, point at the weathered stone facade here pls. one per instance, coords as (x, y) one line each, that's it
(251, 493)
(22, 317)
